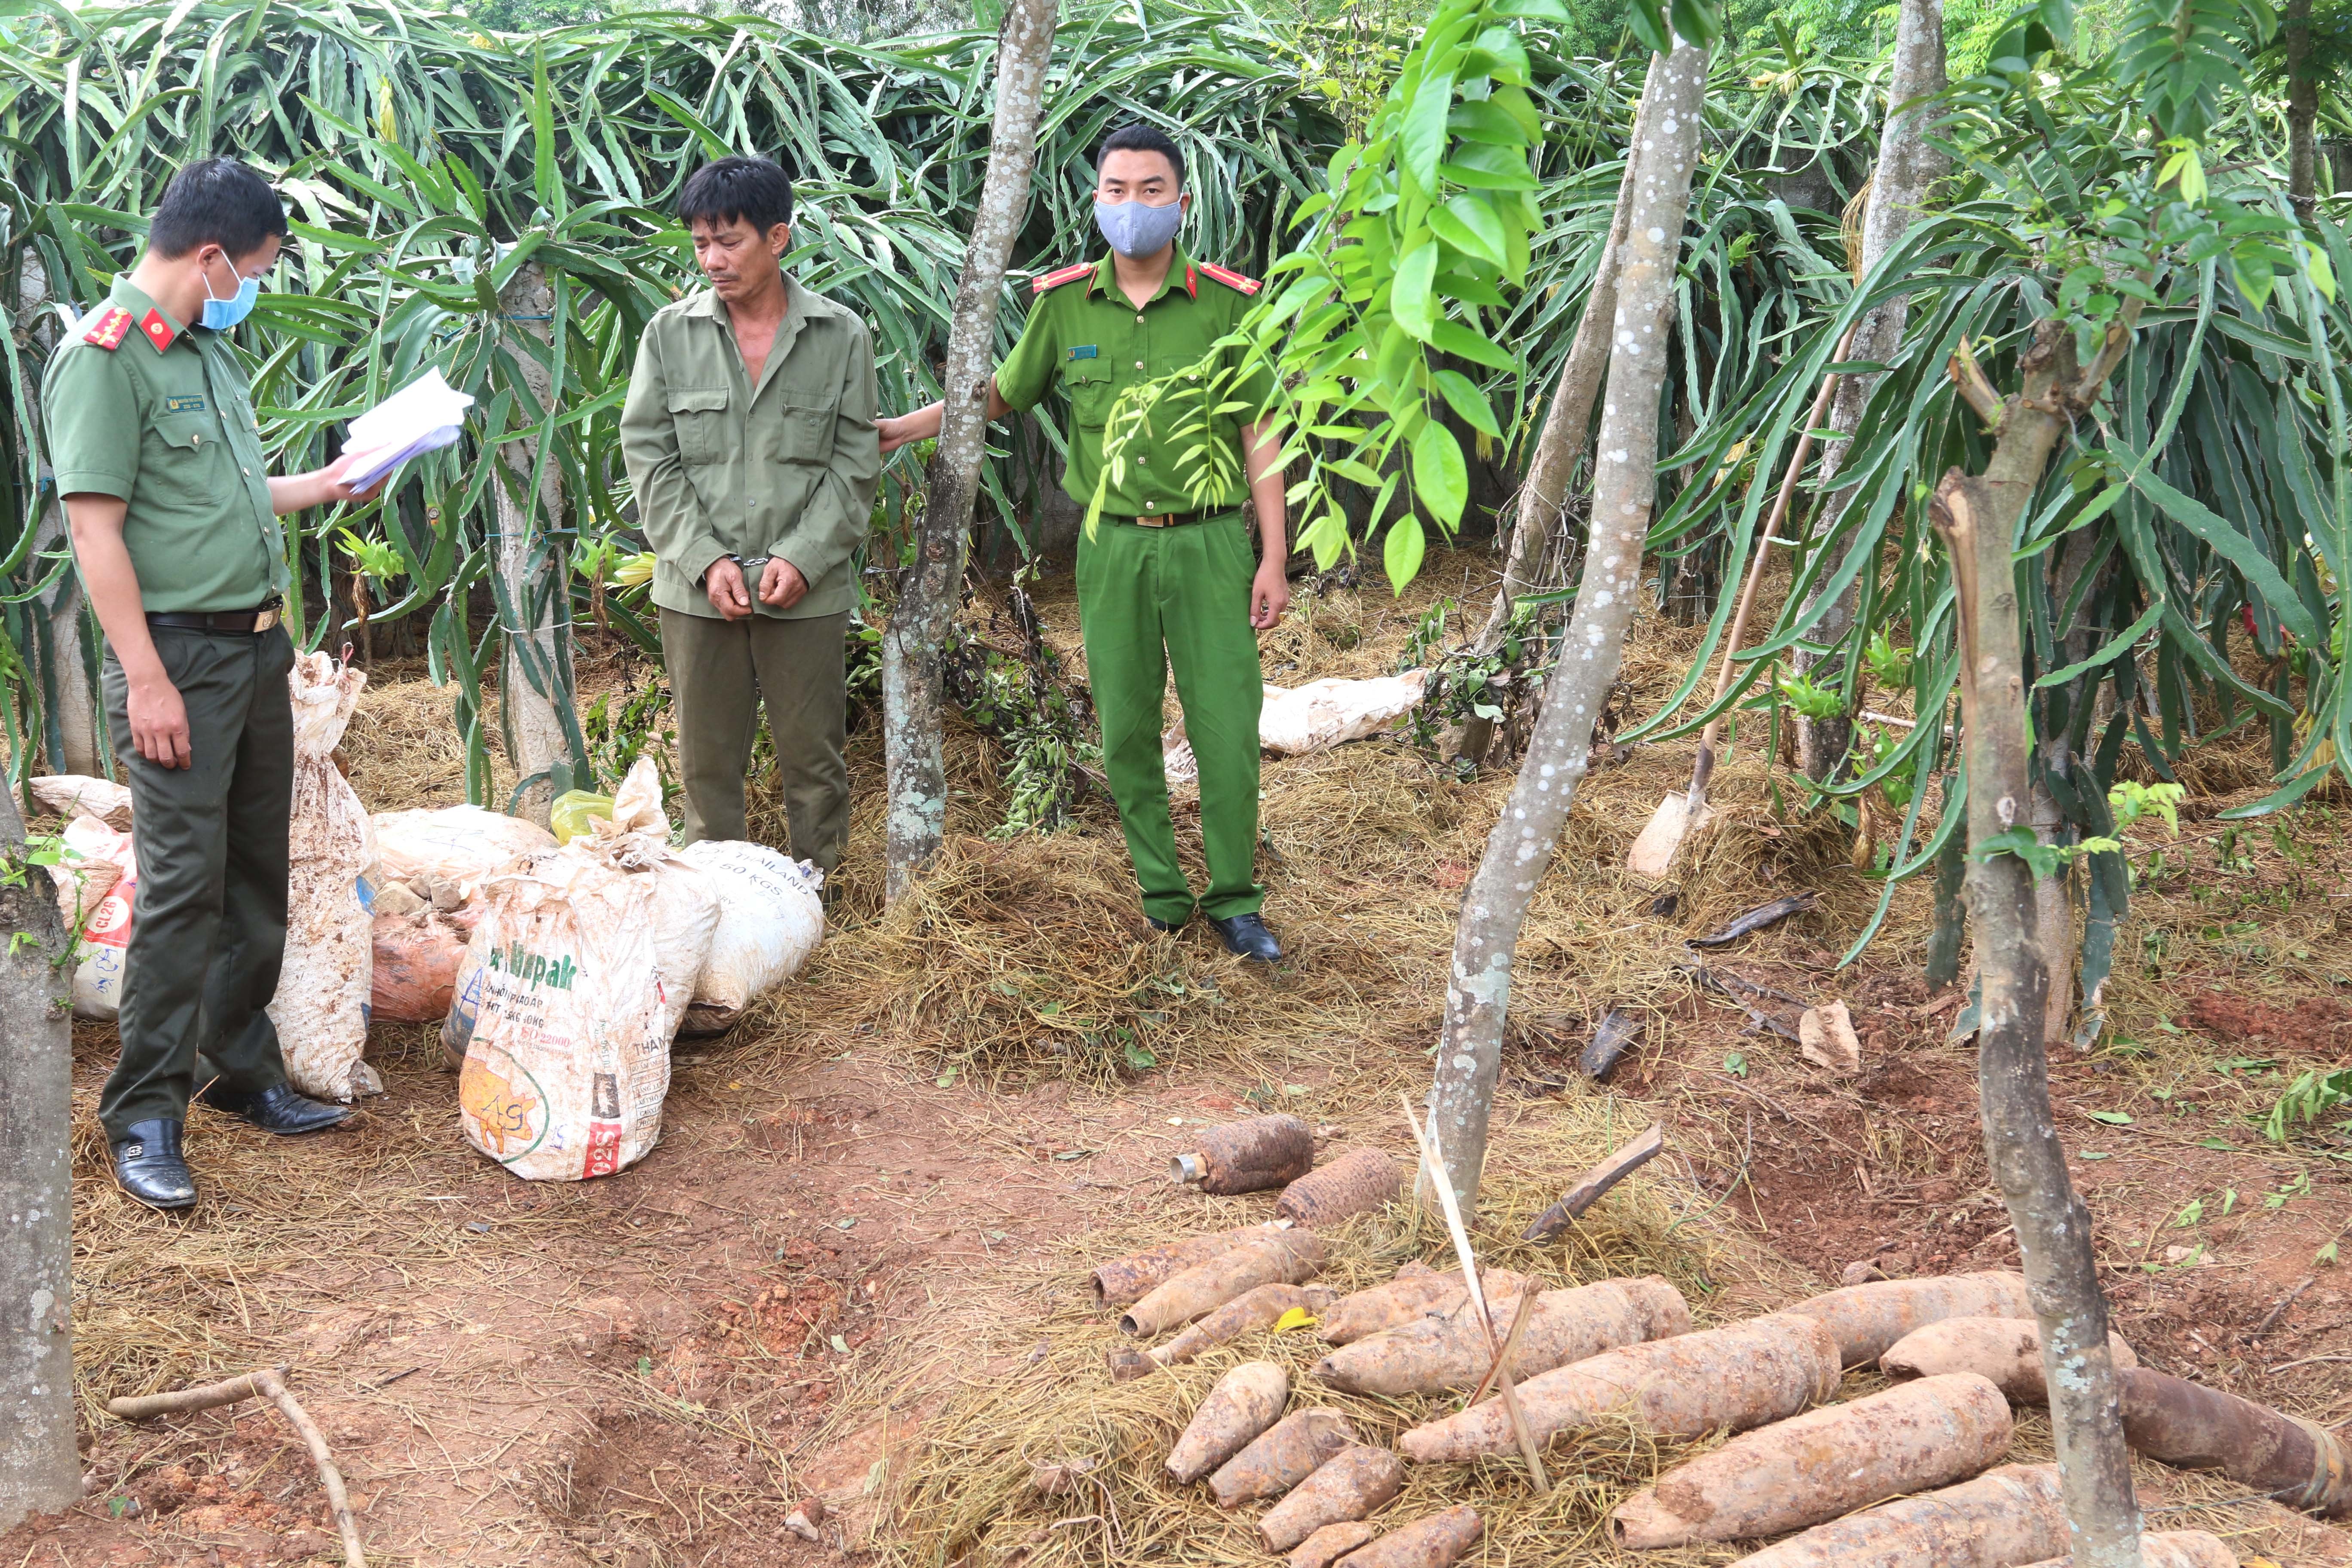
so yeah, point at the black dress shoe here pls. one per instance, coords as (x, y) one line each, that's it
(276, 1109)
(1247, 935)
(147, 1163)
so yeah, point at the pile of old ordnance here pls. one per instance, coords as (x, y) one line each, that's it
(1909, 1475)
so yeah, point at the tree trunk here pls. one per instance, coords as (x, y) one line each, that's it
(2055, 896)
(2302, 111)
(913, 702)
(40, 1470)
(1978, 517)
(1623, 494)
(535, 675)
(68, 734)
(1908, 165)
(1540, 518)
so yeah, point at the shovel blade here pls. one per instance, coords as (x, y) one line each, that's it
(1668, 825)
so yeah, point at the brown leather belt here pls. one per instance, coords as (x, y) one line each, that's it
(1172, 518)
(249, 621)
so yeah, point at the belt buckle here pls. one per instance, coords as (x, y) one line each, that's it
(1158, 520)
(266, 620)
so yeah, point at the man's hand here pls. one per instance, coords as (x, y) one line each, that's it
(159, 721)
(332, 486)
(724, 583)
(782, 585)
(1269, 596)
(898, 430)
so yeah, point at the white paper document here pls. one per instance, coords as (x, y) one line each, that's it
(423, 417)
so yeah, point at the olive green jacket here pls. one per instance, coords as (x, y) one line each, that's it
(160, 417)
(721, 467)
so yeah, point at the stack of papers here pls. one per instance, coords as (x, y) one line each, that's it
(423, 417)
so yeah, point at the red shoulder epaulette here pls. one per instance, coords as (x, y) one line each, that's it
(109, 330)
(1061, 275)
(1230, 278)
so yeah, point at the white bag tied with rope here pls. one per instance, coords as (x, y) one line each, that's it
(321, 1006)
(573, 987)
(770, 918)
(1315, 717)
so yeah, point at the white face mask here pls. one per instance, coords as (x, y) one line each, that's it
(1136, 230)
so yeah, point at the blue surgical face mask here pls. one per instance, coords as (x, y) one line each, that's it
(1136, 230)
(220, 314)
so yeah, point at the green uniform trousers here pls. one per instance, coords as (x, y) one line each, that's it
(208, 920)
(1150, 599)
(719, 673)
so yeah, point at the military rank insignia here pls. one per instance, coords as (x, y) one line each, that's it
(109, 329)
(159, 332)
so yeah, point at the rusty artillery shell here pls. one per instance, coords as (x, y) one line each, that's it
(1411, 1297)
(1352, 1484)
(1453, 1351)
(1258, 1309)
(1276, 1257)
(1867, 1319)
(1136, 1276)
(1331, 1542)
(2006, 1350)
(1249, 1156)
(2172, 1549)
(1244, 1402)
(2009, 1515)
(1743, 1375)
(1822, 1465)
(1437, 1541)
(2197, 1429)
(1356, 1182)
(1281, 1456)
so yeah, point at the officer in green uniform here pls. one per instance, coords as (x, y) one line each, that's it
(175, 524)
(749, 436)
(1164, 581)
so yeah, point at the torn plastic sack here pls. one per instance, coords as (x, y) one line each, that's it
(770, 918)
(1326, 713)
(462, 844)
(323, 991)
(97, 879)
(79, 795)
(575, 981)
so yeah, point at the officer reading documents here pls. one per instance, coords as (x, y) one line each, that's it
(1166, 580)
(175, 525)
(749, 436)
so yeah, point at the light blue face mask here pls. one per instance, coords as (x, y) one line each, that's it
(220, 315)
(1135, 230)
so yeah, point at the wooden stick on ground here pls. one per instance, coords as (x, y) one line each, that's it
(1433, 1158)
(267, 1382)
(1595, 1182)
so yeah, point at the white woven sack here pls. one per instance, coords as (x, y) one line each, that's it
(1326, 713)
(572, 986)
(321, 1006)
(460, 844)
(771, 919)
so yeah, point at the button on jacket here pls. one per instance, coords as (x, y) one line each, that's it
(721, 467)
(160, 416)
(1090, 341)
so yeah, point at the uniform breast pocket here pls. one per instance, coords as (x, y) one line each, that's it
(190, 441)
(803, 426)
(698, 413)
(1089, 392)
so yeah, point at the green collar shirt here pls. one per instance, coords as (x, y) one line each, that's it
(719, 467)
(1086, 341)
(160, 416)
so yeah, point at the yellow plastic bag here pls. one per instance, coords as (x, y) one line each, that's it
(573, 812)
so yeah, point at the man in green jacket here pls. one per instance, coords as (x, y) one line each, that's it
(748, 435)
(1165, 579)
(174, 515)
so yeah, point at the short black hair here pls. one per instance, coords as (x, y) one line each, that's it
(216, 201)
(1138, 137)
(725, 189)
